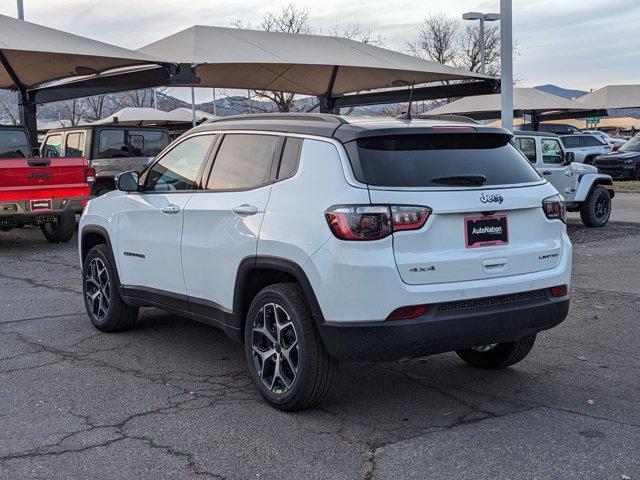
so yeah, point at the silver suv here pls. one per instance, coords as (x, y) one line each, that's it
(585, 147)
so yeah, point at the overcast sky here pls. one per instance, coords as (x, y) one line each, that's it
(582, 44)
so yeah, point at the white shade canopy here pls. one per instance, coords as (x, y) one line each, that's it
(303, 64)
(612, 96)
(31, 55)
(526, 100)
(140, 116)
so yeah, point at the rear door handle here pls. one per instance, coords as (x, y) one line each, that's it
(170, 209)
(546, 172)
(245, 210)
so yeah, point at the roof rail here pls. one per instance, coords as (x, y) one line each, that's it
(309, 117)
(451, 118)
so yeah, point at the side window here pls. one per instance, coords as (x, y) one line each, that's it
(178, 169)
(290, 158)
(14, 144)
(591, 141)
(528, 147)
(112, 144)
(571, 142)
(243, 161)
(74, 146)
(52, 146)
(551, 151)
(147, 143)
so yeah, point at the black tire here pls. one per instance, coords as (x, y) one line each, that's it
(312, 379)
(589, 160)
(499, 356)
(118, 315)
(637, 175)
(61, 231)
(595, 211)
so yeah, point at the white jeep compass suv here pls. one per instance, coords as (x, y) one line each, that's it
(313, 238)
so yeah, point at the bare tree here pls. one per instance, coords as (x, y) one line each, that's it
(436, 39)
(8, 102)
(97, 107)
(72, 110)
(136, 98)
(468, 56)
(352, 31)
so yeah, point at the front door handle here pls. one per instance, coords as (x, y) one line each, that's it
(546, 172)
(170, 209)
(245, 210)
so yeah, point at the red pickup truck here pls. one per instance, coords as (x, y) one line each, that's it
(40, 191)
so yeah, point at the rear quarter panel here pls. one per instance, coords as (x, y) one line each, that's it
(294, 225)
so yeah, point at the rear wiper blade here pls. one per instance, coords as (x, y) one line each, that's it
(464, 180)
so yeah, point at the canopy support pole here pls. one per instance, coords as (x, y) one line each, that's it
(27, 106)
(28, 116)
(326, 102)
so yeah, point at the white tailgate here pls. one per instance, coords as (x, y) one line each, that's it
(438, 252)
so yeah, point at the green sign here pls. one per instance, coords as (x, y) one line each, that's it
(592, 120)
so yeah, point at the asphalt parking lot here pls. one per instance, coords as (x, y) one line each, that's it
(172, 398)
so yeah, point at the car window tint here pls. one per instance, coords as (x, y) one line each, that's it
(14, 144)
(571, 142)
(551, 151)
(178, 169)
(52, 146)
(243, 161)
(74, 146)
(430, 160)
(528, 147)
(147, 143)
(591, 141)
(290, 158)
(112, 144)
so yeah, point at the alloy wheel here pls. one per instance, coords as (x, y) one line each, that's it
(98, 289)
(601, 208)
(275, 348)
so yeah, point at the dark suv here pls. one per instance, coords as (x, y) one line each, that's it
(110, 149)
(623, 164)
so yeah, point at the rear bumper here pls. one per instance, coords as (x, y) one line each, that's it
(442, 331)
(20, 209)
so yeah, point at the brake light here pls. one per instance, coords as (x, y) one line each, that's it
(555, 208)
(90, 174)
(373, 222)
(454, 129)
(559, 291)
(405, 313)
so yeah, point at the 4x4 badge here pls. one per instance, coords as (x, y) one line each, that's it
(493, 198)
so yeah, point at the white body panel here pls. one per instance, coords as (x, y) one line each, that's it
(294, 225)
(216, 240)
(145, 229)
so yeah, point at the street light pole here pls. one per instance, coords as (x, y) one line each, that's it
(506, 64)
(482, 46)
(20, 10)
(482, 17)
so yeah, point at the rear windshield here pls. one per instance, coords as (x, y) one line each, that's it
(436, 160)
(14, 144)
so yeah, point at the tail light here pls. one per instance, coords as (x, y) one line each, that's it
(555, 208)
(90, 174)
(559, 291)
(372, 222)
(406, 313)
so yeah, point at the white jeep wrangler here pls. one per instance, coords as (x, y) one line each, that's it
(583, 188)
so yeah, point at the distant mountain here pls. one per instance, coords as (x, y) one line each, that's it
(561, 92)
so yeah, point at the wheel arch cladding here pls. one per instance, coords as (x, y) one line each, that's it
(93, 235)
(255, 273)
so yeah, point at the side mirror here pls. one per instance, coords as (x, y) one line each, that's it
(128, 181)
(569, 157)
